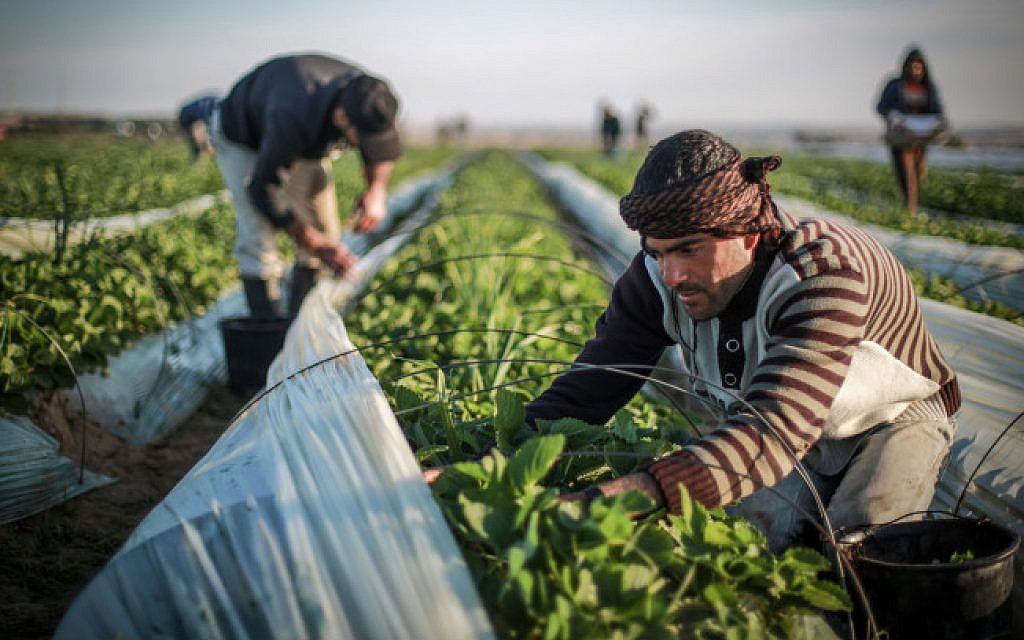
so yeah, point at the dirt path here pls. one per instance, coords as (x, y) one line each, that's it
(47, 559)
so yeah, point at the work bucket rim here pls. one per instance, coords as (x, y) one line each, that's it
(854, 549)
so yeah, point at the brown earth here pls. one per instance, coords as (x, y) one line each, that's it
(46, 559)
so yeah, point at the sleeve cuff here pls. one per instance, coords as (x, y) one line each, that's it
(685, 469)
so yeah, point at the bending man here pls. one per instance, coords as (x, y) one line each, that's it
(806, 334)
(274, 134)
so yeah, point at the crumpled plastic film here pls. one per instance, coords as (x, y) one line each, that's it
(317, 332)
(33, 474)
(307, 518)
(151, 387)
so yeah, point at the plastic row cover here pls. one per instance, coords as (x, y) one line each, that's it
(308, 518)
(33, 474)
(19, 236)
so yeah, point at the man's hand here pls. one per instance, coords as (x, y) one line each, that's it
(335, 256)
(640, 481)
(430, 474)
(370, 210)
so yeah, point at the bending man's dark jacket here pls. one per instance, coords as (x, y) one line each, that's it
(282, 109)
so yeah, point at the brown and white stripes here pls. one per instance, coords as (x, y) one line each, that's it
(848, 290)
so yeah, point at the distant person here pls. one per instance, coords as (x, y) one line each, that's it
(194, 121)
(643, 115)
(274, 134)
(611, 131)
(913, 116)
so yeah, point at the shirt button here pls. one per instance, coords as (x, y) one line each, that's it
(732, 345)
(730, 379)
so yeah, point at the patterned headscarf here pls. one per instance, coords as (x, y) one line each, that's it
(731, 201)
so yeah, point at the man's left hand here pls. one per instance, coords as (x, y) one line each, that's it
(370, 211)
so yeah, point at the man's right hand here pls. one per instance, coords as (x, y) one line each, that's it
(334, 255)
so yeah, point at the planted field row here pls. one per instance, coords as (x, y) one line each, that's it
(94, 298)
(467, 324)
(105, 292)
(865, 191)
(618, 174)
(95, 176)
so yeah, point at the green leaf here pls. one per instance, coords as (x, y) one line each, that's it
(805, 560)
(826, 595)
(623, 427)
(510, 415)
(428, 452)
(533, 460)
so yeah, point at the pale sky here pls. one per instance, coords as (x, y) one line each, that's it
(798, 62)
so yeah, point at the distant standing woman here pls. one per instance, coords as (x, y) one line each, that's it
(903, 103)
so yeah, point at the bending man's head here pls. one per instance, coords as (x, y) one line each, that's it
(369, 105)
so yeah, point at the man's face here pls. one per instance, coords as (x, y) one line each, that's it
(704, 270)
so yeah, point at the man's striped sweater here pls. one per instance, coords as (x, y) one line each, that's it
(823, 342)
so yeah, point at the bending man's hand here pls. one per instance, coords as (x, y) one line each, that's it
(370, 210)
(335, 256)
(372, 206)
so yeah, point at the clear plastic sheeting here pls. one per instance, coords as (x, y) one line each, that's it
(150, 388)
(19, 236)
(592, 207)
(33, 474)
(307, 519)
(988, 356)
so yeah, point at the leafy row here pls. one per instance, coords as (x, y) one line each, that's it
(94, 176)
(469, 322)
(91, 175)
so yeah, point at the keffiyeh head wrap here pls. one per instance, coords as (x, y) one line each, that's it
(730, 201)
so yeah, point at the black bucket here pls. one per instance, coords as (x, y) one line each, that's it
(945, 578)
(250, 345)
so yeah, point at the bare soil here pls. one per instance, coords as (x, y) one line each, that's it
(45, 560)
